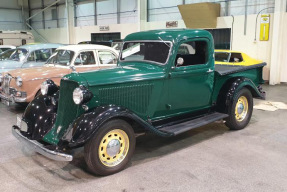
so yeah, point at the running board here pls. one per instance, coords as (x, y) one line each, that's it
(198, 122)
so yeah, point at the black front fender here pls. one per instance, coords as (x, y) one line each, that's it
(87, 124)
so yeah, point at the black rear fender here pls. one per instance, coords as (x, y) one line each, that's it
(231, 87)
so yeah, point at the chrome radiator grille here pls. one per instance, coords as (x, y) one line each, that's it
(6, 83)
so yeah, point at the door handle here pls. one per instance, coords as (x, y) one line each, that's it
(209, 71)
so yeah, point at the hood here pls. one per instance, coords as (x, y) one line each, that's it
(44, 72)
(129, 73)
(9, 64)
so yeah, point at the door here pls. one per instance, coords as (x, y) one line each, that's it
(191, 82)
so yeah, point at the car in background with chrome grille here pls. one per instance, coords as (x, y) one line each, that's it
(23, 85)
(157, 87)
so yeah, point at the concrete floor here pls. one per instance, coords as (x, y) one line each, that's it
(210, 158)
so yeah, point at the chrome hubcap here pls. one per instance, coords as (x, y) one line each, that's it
(113, 147)
(240, 108)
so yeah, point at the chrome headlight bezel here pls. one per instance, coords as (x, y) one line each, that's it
(44, 88)
(48, 87)
(19, 81)
(81, 95)
(78, 96)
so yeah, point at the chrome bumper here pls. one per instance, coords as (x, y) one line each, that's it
(38, 147)
(12, 98)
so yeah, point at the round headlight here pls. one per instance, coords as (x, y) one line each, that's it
(19, 81)
(44, 88)
(1, 78)
(78, 96)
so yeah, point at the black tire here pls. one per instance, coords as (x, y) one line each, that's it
(92, 151)
(240, 121)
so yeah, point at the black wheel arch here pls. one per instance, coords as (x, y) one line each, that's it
(230, 88)
(84, 127)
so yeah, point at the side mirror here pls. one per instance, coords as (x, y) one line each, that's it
(179, 61)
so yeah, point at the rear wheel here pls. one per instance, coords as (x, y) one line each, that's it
(111, 148)
(240, 111)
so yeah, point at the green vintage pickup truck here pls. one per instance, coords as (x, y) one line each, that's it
(165, 83)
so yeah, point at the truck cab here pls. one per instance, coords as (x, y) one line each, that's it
(165, 83)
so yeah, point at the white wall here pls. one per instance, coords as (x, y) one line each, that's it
(59, 35)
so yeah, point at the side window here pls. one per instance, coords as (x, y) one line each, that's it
(236, 57)
(42, 55)
(31, 56)
(85, 58)
(192, 53)
(107, 57)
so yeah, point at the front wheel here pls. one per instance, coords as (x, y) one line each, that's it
(240, 110)
(111, 148)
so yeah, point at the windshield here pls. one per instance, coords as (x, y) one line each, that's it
(222, 56)
(146, 51)
(117, 45)
(19, 55)
(61, 57)
(6, 54)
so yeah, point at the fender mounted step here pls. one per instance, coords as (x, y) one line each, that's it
(198, 122)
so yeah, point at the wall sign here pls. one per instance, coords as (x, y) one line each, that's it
(170, 24)
(104, 28)
(264, 27)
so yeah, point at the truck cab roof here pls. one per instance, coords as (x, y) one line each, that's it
(174, 35)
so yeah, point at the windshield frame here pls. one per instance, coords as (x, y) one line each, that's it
(147, 41)
(228, 58)
(55, 53)
(20, 60)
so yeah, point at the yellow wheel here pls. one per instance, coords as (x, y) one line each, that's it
(111, 148)
(240, 110)
(114, 147)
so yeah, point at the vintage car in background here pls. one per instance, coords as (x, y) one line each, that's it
(23, 85)
(157, 87)
(28, 56)
(6, 54)
(227, 57)
(6, 47)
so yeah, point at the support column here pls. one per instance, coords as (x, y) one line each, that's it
(70, 22)
(278, 45)
(142, 14)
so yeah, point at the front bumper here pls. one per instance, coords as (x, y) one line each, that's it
(12, 98)
(40, 148)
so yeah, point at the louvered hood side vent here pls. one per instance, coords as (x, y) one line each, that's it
(133, 97)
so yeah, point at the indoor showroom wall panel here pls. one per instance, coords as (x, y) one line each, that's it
(128, 11)
(53, 35)
(84, 33)
(62, 16)
(49, 22)
(37, 21)
(85, 13)
(161, 10)
(284, 55)
(35, 4)
(107, 12)
(11, 19)
(238, 7)
(128, 17)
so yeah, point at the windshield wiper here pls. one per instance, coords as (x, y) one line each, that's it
(164, 42)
